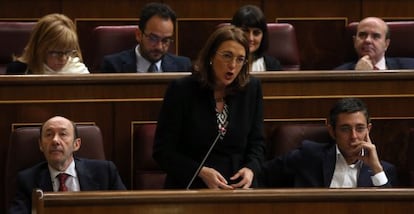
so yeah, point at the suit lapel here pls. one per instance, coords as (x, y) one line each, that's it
(328, 163)
(130, 62)
(391, 64)
(44, 181)
(167, 64)
(86, 180)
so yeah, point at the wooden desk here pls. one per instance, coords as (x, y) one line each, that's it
(118, 103)
(321, 201)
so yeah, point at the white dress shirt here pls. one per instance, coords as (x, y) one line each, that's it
(346, 176)
(72, 182)
(143, 64)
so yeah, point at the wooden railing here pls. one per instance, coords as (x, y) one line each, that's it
(321, 201)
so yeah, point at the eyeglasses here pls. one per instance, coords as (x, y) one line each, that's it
(349, 129)
(154, 39)
(229, 57)
(60, 54)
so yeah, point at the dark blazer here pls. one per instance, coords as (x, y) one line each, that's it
(392, 64)
(272, 64)
(16, 68)
(126, 62)
(93, 175)
(187, 127)
(313, 165)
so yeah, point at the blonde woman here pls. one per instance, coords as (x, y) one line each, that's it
(53, 48)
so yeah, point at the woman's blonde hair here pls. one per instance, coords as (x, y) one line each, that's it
(52, 32)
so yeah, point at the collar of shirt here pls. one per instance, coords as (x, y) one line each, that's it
(259, 65)
(143, 64)
(70, 171)
(345, 175)
(381, 65)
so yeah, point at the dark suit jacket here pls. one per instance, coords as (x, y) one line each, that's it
(92, 174)
(272, 64)
(313, 165)
(126, 62)
(392, 64)
(187, 127)
(16, 68)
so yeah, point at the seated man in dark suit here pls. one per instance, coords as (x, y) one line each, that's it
(371, 42)
(154, 36)
(350, 161)
(62, 171)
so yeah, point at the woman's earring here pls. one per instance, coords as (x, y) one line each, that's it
(211, 63)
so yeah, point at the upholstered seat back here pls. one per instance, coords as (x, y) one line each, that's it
(290, 136)
(24, 151)
(283, 45)
(14, 37)
(109, 40)
(147, 173)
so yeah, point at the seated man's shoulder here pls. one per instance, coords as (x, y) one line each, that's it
(313, 147)
(346, 66)
(402, 62)
(93, 161)
(34, 169)
(122, 54)
(177, 57)
(16, 67)
(176, 63)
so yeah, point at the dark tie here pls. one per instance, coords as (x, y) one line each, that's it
(62, 179)
(152, 68)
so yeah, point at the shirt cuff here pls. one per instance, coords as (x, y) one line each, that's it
(379, 179)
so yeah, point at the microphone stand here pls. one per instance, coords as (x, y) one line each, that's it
(203, 161)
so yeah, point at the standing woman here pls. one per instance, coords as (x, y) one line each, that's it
(220, 100)
(253, 22)
(53, 48)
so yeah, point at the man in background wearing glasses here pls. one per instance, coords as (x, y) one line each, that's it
(154, 36)
(348, 162)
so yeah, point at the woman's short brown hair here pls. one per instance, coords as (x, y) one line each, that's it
(203, 69)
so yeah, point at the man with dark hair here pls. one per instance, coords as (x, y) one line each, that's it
(351, 160)
(371, 41)
(154, 36)
(62, 171)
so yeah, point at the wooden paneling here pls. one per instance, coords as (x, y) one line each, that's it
(324, 201)
(317, 44)
(189, 41)
(316, 8)
(209, 9)
(386, 8)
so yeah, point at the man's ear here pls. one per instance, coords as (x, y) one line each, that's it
(77, 144)
(387, 42)
(369, 127)
(138, 35)
(332, 132)
(40, 145)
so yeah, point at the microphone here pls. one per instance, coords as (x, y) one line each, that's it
(220, 135)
